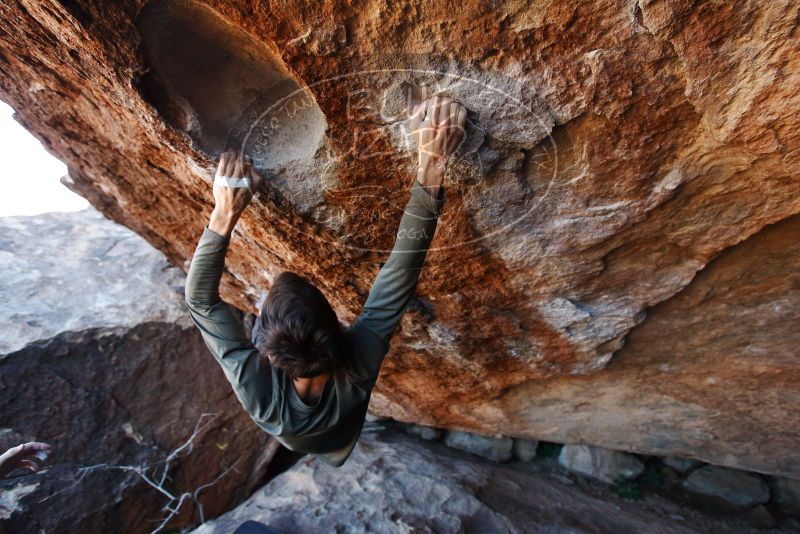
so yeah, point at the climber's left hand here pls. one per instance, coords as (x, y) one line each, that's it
(230, 202)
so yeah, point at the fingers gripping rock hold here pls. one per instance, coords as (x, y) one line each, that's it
(438, 128)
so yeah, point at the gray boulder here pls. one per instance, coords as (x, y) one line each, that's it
(606, 465)
(425, 432)
(67, 272)
(525, 449)
(730, 486)
(761, 518)
(495, 449)
(787, 495)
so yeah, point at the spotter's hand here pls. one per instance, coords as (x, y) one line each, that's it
(23, 456)
(234, 186)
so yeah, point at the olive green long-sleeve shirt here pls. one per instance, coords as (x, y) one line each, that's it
(329, 428)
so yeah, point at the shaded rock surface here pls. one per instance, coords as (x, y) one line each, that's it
(396, 483)
(615, 150)
(733, 487)
(107, 394)
(761, 518)
(599, 463)
(787, 495)
(689, 376)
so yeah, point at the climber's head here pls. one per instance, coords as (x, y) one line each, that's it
(297, 329)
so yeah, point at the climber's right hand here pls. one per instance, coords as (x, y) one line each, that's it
(438, 128)
(234, 185)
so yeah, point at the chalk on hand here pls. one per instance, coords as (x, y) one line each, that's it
(233, 183)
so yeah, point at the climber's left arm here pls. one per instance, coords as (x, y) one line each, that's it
(221, 329)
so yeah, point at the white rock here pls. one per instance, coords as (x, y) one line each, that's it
(602, 464)
(731, 486)
(424, 432)
(525, 449)
(495, 449)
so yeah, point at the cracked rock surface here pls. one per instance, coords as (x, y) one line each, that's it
(395, 483)
(615, 149)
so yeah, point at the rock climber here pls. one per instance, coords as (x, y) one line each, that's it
(303, 377)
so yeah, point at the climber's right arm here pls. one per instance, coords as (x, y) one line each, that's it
(396, 282)
(438, 127)
(221, 329)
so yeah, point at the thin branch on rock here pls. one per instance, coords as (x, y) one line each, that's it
(157, 480)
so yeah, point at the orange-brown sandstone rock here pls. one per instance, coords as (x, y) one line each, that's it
(615, 148)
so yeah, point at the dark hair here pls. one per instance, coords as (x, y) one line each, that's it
(298, 328)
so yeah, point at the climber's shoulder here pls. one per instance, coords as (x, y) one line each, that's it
(364, 351)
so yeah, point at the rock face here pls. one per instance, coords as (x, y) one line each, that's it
(688, 377)
(424, 432)
(394, 483)
(614, 150)
(106, 366)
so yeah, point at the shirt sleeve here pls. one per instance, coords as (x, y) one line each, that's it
(222, 330)
(396, 282)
